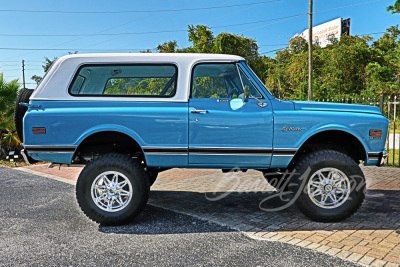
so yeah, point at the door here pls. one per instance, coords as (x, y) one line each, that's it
(220, 133)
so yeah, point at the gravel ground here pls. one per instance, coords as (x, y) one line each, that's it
(41, 225)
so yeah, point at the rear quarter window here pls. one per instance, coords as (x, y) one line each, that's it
(125, 80)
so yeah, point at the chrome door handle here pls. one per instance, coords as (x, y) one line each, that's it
(198, 111)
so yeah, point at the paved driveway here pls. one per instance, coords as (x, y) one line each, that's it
(371, 236)
(41, 225)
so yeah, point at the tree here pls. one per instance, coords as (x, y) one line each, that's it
(344, 69)
(395, 8)
(390, 40)
(167, 47)
(227, 43)
(341, 72)
(383, 75)
(201, 37)
(8, 95)
(287, 74)
(37, 79)
(203, 41)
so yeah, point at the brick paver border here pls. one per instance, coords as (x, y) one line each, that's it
(370, 241)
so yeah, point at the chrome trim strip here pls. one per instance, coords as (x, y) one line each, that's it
(40, 149)
(230, 151)
(164, 147)
(166, 153)
(230, 154)
(232, 148)
(286, 149)
(220, 151)
(48, 152)
(48, 147)
(284, 152)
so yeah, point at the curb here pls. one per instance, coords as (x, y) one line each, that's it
(268, 236)
(53, 177)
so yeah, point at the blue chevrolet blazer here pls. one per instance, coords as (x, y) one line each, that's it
(127, 117)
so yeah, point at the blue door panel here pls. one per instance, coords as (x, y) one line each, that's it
(225, 136)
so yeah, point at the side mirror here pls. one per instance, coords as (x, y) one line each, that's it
(236, 103)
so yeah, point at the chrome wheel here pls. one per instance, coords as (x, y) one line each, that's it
(111, 191)
(328, 188)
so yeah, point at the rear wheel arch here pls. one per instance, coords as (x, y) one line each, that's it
(107, 141)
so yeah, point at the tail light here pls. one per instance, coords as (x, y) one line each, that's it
(38, 130)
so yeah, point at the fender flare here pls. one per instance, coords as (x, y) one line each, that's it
(332, 127)
(110, 128)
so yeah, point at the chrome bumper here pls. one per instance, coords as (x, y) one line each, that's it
(25, 156)
(383, 157)
(380, 157)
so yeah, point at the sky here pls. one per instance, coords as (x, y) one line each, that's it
(265, 21)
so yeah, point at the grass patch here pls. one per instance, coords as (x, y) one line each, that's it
(395, 153)
(12, 164)
(391, 127)
(18, 164)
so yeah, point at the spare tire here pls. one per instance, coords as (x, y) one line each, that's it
(19, 112)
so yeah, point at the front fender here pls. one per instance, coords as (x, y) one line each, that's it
(292, 128)
(331, 127)
(295, 139)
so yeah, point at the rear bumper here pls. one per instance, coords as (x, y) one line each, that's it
(27, 159)
(380, 158)
(52, 153)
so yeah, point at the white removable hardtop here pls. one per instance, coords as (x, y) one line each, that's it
(54, 85)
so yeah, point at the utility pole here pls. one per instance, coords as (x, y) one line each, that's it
(279, 69)
(23, 73)
(310, 59)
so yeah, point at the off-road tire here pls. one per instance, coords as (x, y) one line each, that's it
(324, 159)
(19, 111)
(125, 165)
(277, 180)
(152, 174)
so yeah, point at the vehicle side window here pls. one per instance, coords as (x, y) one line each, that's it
(125, 80)
(77, 85)
(216, 81)
(246, 82)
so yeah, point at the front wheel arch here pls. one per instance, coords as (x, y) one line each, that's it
(337, 140)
